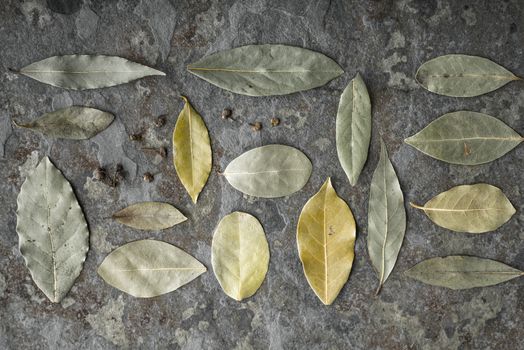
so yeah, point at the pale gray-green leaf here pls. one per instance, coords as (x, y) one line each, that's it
(240, 255)
(264, 70)
(149, 268)
(386, 218)
(75, 123)
(462, 272)
(80, 72)
(269, 171)
(149, 216)
(465, 137)
(474, 208)
(52, 230)
(462, 75)
(353, 128)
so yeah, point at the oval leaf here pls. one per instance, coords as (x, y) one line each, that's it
(81, 72)
(192, 150)
(149, 268)
(462, 75)
(326, 240)
(52, 230)
(149, 216)
(353, 128)
(462, 272)
(269, 171)
(74, 123)
(465, 137)
(386, 218)
(264, 70)
(240, 255)
(469, 208)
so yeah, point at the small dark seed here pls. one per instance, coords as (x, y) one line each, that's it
(135, 137)
(226, 113)
(257, 126)
(148, 177)
(160, 121)
(275, 121)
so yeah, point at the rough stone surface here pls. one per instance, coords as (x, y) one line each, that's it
(383, 40)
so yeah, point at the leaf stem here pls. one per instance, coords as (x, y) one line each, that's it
(12, 70)
(416, 206)
(379, 289)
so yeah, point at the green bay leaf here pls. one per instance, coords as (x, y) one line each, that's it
(353, 128)
(269, 171)
(74, 123)
(264, 70)
(81, 72)
(52, 230)
(148, 268)
(465, 137)
(149, 216)
(474, 208)
(462, 75)
(240, 255)
(386, 218)
(462, 272)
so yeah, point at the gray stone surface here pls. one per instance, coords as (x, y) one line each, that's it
(383, 40)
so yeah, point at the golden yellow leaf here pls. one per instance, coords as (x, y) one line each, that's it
(191, 150)
(326, 240)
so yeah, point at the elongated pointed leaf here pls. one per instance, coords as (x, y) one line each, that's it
(240, 255)
(81, 72)
(264, 70)
(269, 171)
(52, 230)
(326, 240)
(462, 75)
(149, 216)
(469, 208)
(465, 137)
(75, 123)
(386, 218)
(353, 128)
(192, 150)
(149, 268)
(462, 272)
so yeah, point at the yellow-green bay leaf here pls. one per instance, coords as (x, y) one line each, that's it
(149, 216)
(386, 218)
(148, 268)
(475, 208)
(191, 150)
(462, 75)
(326, 234)
(269, 171)
(240, 255)
(75, 123)
(52, 230)
(353, 128)
(81, 72)
(465, 137)
(264, 70)
(462, 272)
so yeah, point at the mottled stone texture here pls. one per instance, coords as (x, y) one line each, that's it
(383, 40)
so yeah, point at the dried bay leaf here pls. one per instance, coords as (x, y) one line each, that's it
(475, 208)
(148, 268)
(465, 137)
(52, 230)
(353, 128)
(462, 272)
(386, 218)
(326, 233)
(81, 72)
(149, 216)
(265, 70)
(191, 150)
(240, 255)
(74, 123)
(462, 75)
(269, 171)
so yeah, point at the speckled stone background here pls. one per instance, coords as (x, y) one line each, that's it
(383, 40)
